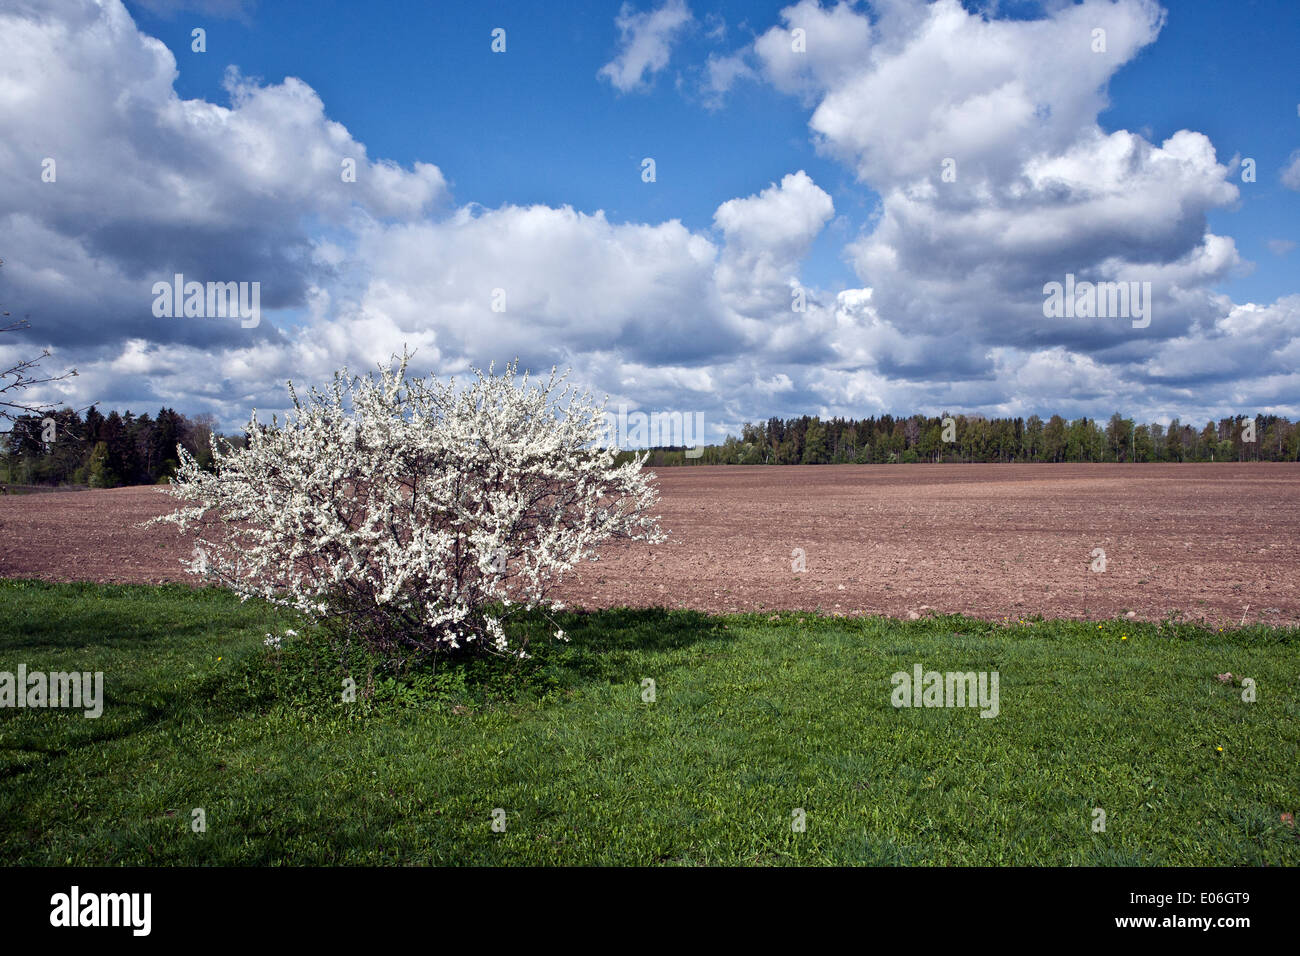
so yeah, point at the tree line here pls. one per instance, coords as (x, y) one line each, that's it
(101, 451)
(98, 451)
(808, 440)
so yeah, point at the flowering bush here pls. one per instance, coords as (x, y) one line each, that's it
(413, 515)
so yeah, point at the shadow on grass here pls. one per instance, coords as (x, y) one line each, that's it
(147, 633)
(611, 645)
(215, 699)
(608, 646)
(643, 629)
(100, 632)
(44, 616)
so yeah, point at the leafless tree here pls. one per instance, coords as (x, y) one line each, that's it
(23, 375)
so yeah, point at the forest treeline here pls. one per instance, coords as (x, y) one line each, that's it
(101, 451)
(106, 451)
(809, 440)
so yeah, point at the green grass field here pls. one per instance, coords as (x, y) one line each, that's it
(753, 718)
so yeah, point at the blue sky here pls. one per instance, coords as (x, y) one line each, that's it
(816, 168)
(534, 126)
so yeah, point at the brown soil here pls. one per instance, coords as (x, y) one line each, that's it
(994, 541)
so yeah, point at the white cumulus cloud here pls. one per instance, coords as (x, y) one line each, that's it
(645, 44)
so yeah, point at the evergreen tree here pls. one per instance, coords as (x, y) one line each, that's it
(814, 446)
(101, 473)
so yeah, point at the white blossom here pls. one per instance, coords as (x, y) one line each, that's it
(412, 513)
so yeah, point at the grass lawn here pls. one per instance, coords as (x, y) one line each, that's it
(753, 718)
